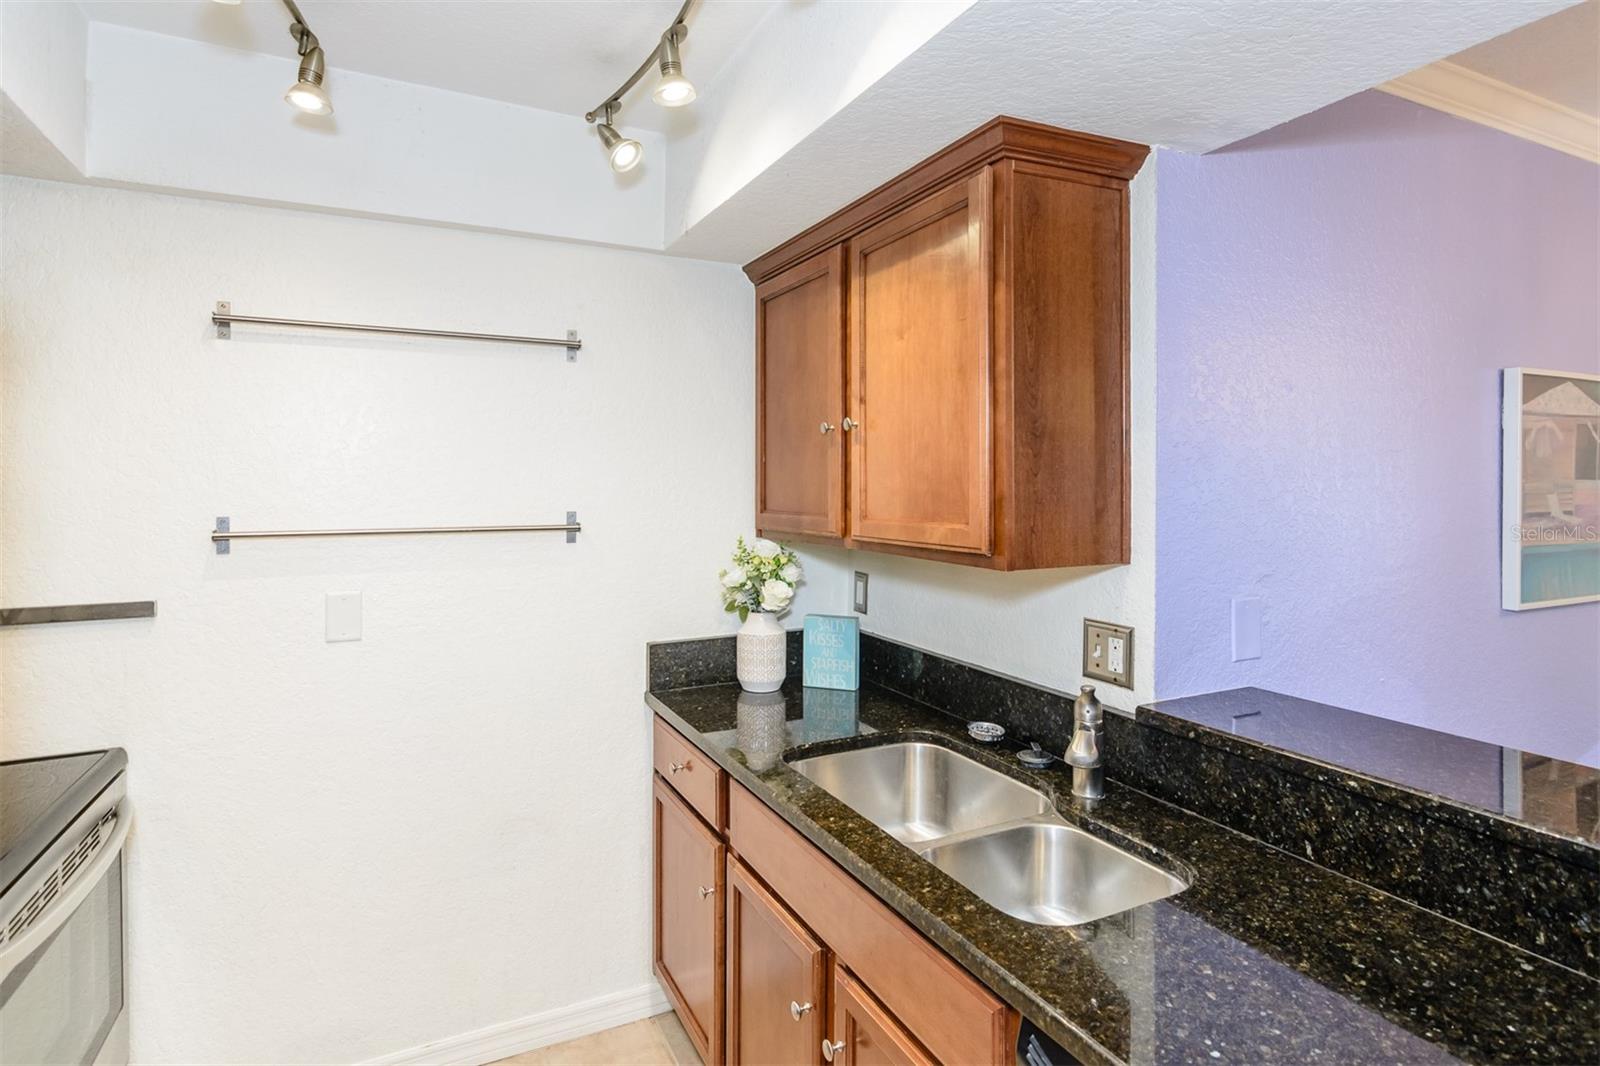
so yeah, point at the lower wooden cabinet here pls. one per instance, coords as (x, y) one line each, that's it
(773, 955)
(689, 954)
(777, 979)
(864, 1032)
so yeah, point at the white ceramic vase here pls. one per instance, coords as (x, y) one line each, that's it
(763, 653)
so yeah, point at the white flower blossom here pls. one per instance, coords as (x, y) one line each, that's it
(775, 595)
(765, 548)
(791, 573)
(733, 578)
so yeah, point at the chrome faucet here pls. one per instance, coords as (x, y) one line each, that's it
(1088, 737)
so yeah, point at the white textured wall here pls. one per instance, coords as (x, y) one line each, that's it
(1030, 624)
(345, 850)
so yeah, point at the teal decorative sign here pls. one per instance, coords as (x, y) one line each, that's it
(832, 651)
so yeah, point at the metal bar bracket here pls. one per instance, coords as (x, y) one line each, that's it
(224, 546)
(223, 323)
(572, 521)
(572, 349)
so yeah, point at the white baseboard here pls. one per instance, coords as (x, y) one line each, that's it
(535, 1031)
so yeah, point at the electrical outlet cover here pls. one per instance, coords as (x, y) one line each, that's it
(343, 622)
(1108, 652)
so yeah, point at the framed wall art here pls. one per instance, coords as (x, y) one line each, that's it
(1550, 488)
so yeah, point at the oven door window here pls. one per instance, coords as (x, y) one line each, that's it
(60, 1003)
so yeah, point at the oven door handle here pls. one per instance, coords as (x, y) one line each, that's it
(62, 907)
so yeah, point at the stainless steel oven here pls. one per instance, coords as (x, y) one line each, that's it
(63, 980)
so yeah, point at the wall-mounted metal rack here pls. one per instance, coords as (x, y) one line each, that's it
(224, 535)
(76, 612)
(223, 317)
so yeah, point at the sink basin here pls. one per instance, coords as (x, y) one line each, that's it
(999, 837)
(921, 792)
(1052, 874)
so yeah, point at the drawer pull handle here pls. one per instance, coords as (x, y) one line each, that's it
(704, 891)
(675, 767)
(798, 1010)
(827, 427)
(829, 1050)
(849, 424)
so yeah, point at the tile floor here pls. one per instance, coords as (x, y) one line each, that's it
(658, 1041)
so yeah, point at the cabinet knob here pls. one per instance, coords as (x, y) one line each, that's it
(704, 891)
(849, 424)
(827, 427)
(798, 1010)
(677, 766)
(830, 1049)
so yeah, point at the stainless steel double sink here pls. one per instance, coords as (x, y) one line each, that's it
(997, 836)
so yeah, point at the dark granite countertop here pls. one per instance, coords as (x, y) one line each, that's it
(1263, 959)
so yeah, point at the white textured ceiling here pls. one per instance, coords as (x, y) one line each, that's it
(557, 55)
(1557, 57)
(1188, 74)
(421, 127)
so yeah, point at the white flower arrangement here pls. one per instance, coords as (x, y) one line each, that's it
(762, 578)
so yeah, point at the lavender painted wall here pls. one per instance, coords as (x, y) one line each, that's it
(1336, 298)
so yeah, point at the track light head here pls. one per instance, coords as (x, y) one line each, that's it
(625, 152)
(307, 92)
(673, 90)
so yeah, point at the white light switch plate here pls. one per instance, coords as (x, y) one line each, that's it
(344, 616)
(1246, 628)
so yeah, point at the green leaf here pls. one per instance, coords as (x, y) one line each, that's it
(744, 613)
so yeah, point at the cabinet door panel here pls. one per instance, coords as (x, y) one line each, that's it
(799, 387)
(920, 373)
(688, 938)
(774, 966)
(870, 1034)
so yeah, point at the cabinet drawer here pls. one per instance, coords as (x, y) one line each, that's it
(943, 1006)
(696, 778)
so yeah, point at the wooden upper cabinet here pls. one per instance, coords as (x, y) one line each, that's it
(982, 301)
(800, 398)
(919, 373)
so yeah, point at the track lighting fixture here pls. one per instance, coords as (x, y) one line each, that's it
(307, 92)
(625, 152)
(674, 90)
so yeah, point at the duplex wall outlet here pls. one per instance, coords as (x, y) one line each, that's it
(861, 592)
(343, 616)
(1108, 652)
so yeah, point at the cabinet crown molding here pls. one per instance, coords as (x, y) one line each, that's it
(1000, 138)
